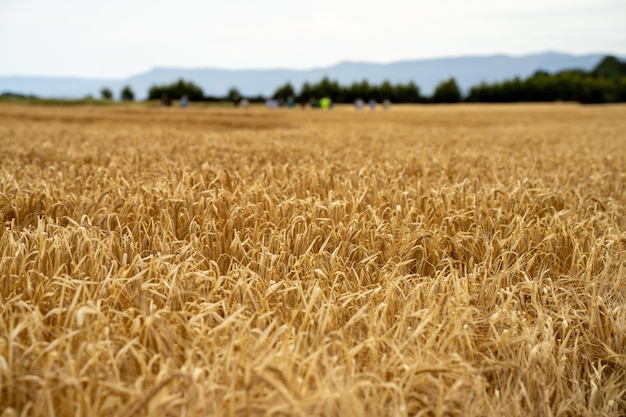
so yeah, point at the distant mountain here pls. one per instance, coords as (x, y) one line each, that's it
(426, 73)
(58, 87)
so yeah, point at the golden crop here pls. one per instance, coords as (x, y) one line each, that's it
(435, 261)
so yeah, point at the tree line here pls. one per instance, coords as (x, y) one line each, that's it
(446, 92)
(606, 83)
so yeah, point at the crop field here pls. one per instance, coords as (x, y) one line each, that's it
(461, 260)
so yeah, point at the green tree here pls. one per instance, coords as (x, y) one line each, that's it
(408, 93)
(106, 93)
(358, 90)
(386, 92)
(234, 95)
(306, 92)
(284, 92)
(176, 90)
(447, 92)
(610, 67)
(127, 94)
(328, 88)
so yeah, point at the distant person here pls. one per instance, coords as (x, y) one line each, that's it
(359, 103)
(325, 103)
(373, 104)
(290, 102)
(165, 100)
(271, 103)
(386, 104)
(244, 103)
(184, 102)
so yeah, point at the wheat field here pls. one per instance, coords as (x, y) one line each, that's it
(461, 260)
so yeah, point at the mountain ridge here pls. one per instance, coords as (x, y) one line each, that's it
(468, 70)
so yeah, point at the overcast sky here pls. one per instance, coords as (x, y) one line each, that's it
(120, 38)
